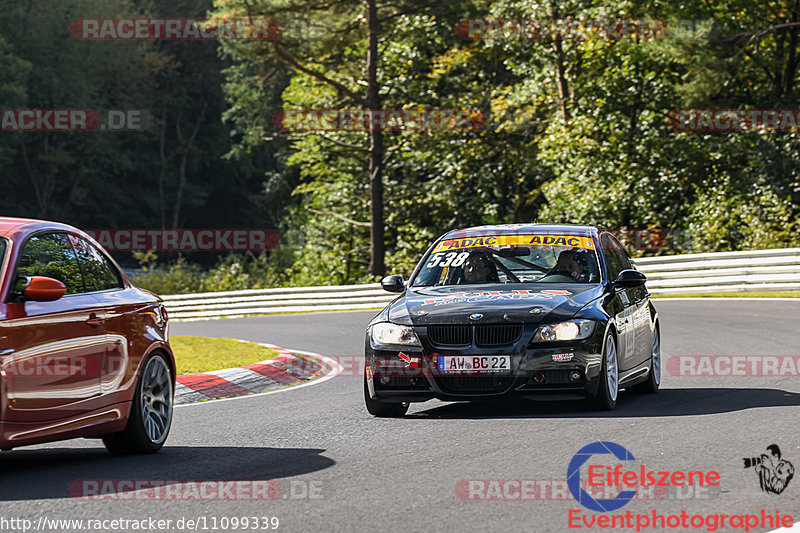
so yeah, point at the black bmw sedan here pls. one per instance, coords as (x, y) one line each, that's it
(556, 311)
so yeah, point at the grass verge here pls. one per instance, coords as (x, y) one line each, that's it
(204, 354)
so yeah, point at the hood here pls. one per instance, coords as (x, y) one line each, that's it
(453, 304)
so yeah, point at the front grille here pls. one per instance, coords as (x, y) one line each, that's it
(497, 334)
(474, 384)
(450, 335)
(485, 334)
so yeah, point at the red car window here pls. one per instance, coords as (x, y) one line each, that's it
(50, 255)
(98, 272)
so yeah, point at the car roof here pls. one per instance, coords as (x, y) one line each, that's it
(9, 226)
(511, 229)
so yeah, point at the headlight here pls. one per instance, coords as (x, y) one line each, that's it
(388, 333)
(564, 331)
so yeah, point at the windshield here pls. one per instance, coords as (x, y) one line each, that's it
(529, 258)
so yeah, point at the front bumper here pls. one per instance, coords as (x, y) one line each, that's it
(541, 371)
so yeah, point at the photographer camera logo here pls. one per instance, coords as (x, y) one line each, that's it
(774, 473)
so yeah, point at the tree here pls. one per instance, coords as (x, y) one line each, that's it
(351, 26)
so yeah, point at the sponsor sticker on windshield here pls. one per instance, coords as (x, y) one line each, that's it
(515, 240)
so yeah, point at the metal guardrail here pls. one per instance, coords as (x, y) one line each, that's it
(759, 270)
(281, 300)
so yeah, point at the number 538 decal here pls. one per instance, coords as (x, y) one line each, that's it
(450, 259)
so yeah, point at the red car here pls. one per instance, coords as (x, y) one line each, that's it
(83, 352)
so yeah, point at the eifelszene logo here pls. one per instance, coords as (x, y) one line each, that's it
(574, 476)
(774, 473)
(610, 478)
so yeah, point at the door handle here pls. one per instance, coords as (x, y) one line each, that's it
(94, 321)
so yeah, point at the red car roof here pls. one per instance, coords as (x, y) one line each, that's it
(10, 225)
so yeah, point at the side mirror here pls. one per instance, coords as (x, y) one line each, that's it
(393, 283)
(42, 289)
(629, 278)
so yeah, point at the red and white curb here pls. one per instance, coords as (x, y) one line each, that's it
(285, 370)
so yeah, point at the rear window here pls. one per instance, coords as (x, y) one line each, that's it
(518, 258)
(98, 272)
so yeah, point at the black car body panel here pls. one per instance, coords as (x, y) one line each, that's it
(444, 305)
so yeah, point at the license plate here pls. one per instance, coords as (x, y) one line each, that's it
(474, 363)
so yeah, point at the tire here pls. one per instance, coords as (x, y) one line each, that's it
(151, 411)
(608, 391)
(383, 409)
(654, 375)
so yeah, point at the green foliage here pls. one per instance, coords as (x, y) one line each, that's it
(723, 219)
(176, 278)
(231, 273)
(52, 256)
(13, 94)
(575, 130)
(160, 177)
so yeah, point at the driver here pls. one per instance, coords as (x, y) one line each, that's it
(478, 268)
(568, 264)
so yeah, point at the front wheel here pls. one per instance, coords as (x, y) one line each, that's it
(383, 409)
(606, 398)
(654, 378)
(151, 412)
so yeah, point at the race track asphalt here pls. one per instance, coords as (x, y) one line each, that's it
(343, 470)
